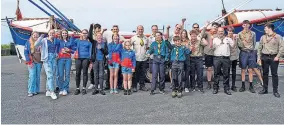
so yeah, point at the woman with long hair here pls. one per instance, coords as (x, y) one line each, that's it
(185, 42)
(33, 61)
(83, 53)
(49, 58)
(66, 48)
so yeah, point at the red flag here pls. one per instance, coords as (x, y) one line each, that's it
(18, 12)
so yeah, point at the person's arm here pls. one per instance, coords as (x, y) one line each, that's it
(90, 50)
(259, 50)
(133, 59)
(167, 54)
(187, 51)
(39, 41)
(169, 45)
(231, 42)
(104, 31)
(151, 49)
(240, 42)
(281, 47)
(105, 49)
(182, 24)
(27, 53)
(204, 42)
(91, 33)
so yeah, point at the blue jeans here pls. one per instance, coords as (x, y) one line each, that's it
(50, 70)
(34, 78)
(64, 67)
(158, 68)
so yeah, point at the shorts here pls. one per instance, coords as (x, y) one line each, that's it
(248, 59)
(114, 65)
(209, 60)
(126, 70)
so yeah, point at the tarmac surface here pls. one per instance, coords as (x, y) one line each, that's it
(140, 107)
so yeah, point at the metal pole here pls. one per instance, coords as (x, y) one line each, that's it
(68, 23)
(61, 14)
(66, 27)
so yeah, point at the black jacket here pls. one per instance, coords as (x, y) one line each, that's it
(94, 45)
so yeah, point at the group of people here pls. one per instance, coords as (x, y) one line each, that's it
(185, 51)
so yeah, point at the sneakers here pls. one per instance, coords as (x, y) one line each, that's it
(251, 89)
(174, 94)
(47, 93)
(64, 93)
(77, 92)
(234, 88)
(102, 92)
(53, 95)
(84, 92)
(242, 89)
(30, 94)
(152, 92)
(56, 90)
(115, 91)
(95, 92)
(61, 93)
(125, 92)
(143, 88)
(91, 86)
(186, 90)
(162, 92)
(111, 91)
(179, 94)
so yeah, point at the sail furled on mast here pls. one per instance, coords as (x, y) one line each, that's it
(19, 15)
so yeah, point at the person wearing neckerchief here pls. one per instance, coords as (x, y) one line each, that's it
(140, 46)
(221, 47)
(178, 56)
(270, 49)
(246, 42)
(185, 42)
(160, 51)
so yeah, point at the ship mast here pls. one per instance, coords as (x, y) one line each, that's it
(224, 12)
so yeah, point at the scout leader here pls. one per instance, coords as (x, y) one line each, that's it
(270, 49)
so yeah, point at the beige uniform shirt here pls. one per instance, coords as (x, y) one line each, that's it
(234, 50)
(197, 48)
(140, 50)
(222, 46)
(246, 40)
(270, 45)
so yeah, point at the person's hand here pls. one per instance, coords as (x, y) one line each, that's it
(42, 35)
(276, 59)
(259, 62)
(91, 66)
(168, 27)
(183, 20)
(30, 65)
(207, 23)
(133, 70)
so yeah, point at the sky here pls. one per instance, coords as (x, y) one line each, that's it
(128, 14)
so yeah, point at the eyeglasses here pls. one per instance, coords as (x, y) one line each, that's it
(196, 27)
(84, 33)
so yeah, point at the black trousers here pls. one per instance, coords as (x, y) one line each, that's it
(234, 71)
(268, 61)
(82, 63)
(186, 73)
(196, 68)
(224, 63)
(92, 79)
(98, 67)
(177, 73)
(139, 74)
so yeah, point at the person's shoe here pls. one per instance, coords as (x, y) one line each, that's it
(186, 90)
(35, 93)
(227, 92)
(193, 89)
(56, 90)
(209, 86)
(143, 88)
(264, 91)
(134, 89)
(61, 93)
(234, 88)
(276, 94)
(91, 86)
(115, 91)
(102, 92)
(111, 91)
(47, 93)
(125, 92)
(53, 95)
(84, 92)
(107, 88)
(64, 93)
(171, 86)
(95, 92)
(162, 92)
(179, 94)
(174, 94)
(242, 89)
(129, 92)
(30, 94)
(152, 92)
(77, 92)
(201, 90)
(251, 89)
(215, 91)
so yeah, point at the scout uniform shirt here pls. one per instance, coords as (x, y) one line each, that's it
(140, 45)
(197, 48)
(272, 45)
(246, 40)
(208, 49)
(234, 50)
(221, 46)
